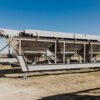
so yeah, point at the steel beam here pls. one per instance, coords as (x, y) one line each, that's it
(84, 53)
(20, 47)
(60, 41)
(64, 53)
(55, 52)
(91, 52)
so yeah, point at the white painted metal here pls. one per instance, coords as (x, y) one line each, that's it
(40, 33)
(58, 67)
(62, 35)
(91, 52)
(8, 60)
(22, 63)
(49, 53)
(53, 67)
(64, 53)
(84, 53)
(11, 32)
(20, 47)
(55, 52)
(34, 52)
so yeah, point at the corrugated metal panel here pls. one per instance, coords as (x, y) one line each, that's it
(52, 34)
(11, 32)
(62, 35)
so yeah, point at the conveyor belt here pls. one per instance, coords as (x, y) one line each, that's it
(61, 67)
(27, 68)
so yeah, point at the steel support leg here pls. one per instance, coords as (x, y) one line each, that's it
(25, 76)
(84, 53)
(55, 52)
(64, 53)
(91, 52)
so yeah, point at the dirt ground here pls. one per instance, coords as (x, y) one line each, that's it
(81, 84)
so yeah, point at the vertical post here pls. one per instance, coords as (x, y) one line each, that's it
(37, 36)
(25, 76)
(91, 52)
(84, 52)
(55, 51)
(20, 47)
(64, 53)
(9, 49)
(46, 55)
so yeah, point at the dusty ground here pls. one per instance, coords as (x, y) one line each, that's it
(83, 84)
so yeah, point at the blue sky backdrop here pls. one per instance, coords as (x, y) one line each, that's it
(78, 16)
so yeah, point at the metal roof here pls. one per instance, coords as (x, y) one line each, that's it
(40, 33)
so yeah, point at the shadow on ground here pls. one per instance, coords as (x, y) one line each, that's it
(80, 95)
(4, 72)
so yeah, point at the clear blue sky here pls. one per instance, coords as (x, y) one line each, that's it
(79, 16)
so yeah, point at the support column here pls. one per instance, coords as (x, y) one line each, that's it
(84, 53)
(64, 53)
(55, 51)
(9, 50)
(20, 47)
(91, 52)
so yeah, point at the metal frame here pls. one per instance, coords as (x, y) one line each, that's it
(64, 43)
(28, 68)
